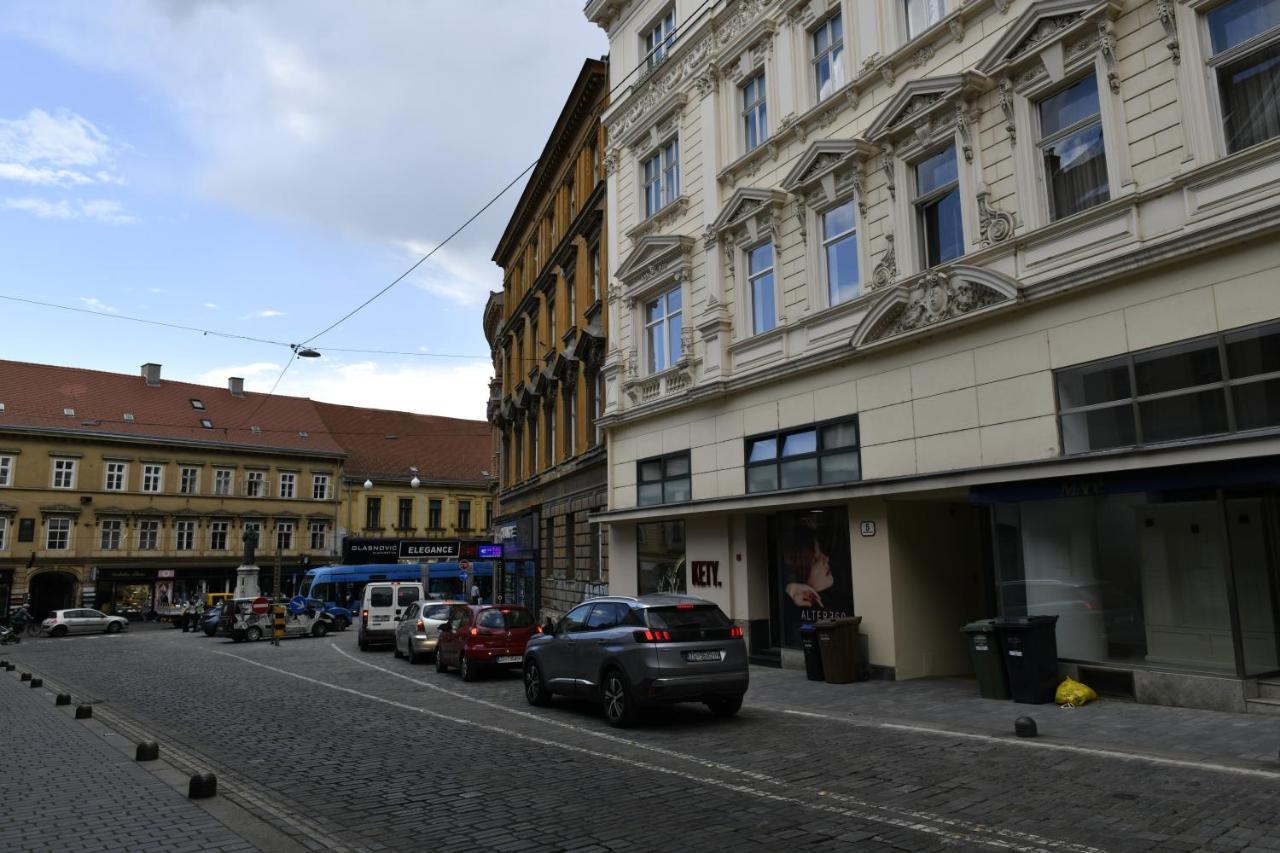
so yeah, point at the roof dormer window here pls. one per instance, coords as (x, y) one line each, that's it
(71, 413)
(256, 430)
(128, 417)
(206, 423)
(197, 404)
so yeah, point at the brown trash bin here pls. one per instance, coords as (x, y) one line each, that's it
(841, 650)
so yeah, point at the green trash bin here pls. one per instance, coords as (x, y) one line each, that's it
(988, 658)
(840, 649)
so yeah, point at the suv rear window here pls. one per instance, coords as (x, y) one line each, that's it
(380, 596)
(679, 620)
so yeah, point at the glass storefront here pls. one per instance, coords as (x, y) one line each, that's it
(1180, 579)
(660, 557)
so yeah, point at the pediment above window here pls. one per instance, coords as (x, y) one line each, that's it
(923, 107)
(662, 118)
(655, 260)
(827, 168)
(1048, 33)
(934, 298)
(750, 212)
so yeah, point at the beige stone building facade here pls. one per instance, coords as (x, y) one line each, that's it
(547, 330)
(132, 493)
(930, 311)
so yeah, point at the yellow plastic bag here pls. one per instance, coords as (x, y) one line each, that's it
(1072, 692)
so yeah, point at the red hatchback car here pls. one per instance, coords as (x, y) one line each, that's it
(484, 636)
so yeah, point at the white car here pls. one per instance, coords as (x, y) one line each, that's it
(63, 622)
(418, 629)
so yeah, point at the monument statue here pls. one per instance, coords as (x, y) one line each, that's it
(250, 543)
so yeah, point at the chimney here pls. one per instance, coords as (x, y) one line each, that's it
(151, 373)
(235, 385)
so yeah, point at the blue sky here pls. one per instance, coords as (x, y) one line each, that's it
(262, 168)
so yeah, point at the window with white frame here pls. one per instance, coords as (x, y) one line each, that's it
(1071, 146)
(288, 484)
(110, 532)
(320, 487)
(284, 535)
(319, 532)
(662, 178)
(828, 57)
(153, 478)
(222, 481)
(64, 473)
(923, 14)
(218, 535)
(117, 475)
(662, 324)
(186, 535)
(760, 283)
(755, 126)
(4, 532)
(1244, 39)
(937, 204)
(840, 252)
(57, 536)
(6, 470)
(148, 535)
(659, 38)
(255, 483)
(188, 480)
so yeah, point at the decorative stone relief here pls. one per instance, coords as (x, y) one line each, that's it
(1006, 107)
(935, 297)
(887, 267)
(994, 226)
(1046, 29)
(802, 221)
(709, 237)
(923, 56)
(957, 28)
(856, 181)
(965, 130)
(610, 161)
(1002, 5)
(886, 165)
(1164, 13)
(1107, 46)
(886, 74)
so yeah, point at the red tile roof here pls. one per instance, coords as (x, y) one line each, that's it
(448, 449)
(35, 397)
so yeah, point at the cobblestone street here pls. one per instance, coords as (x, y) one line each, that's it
(360, 751)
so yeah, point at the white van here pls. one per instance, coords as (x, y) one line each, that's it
(384, 602)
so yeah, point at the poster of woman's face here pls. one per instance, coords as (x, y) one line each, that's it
(815, 569)
(164, 593)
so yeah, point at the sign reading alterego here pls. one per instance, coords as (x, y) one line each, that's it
(430, 549)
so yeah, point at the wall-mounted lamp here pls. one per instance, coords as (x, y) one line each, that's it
(415, 482)
(368, 484)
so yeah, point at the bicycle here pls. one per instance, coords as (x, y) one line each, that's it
(33, 628)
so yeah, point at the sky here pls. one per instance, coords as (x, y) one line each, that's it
(261, 169)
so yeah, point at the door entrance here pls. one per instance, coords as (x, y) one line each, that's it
(51, 591)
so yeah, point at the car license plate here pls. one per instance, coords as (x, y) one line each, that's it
(379, 619)
(703, 656)
(509, 659)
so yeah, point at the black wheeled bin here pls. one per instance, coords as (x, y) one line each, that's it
(812, 654)
(841, 649)
(1030, 657)
(988, 658)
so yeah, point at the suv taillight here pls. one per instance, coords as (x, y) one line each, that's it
(735, 633)
(653, 635)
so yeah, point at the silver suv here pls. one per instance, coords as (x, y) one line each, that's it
(631, 652)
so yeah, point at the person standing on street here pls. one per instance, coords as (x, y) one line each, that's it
(188, 614)
(19, 619)
(198, 617)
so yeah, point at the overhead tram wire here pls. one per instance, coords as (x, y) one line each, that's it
(688, 21)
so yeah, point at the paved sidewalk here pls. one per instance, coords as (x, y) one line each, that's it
(953, 704)
(68, 789)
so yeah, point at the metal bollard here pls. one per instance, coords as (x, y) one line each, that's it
(202, 786)
(1024, 727)
(37, 682)
(84, 712)
(148, 750)
(62, 699)
(26, 676)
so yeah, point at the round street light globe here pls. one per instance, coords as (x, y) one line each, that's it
(415, 482)
(368, 484)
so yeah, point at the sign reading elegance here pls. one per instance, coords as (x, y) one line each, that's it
(430, 549)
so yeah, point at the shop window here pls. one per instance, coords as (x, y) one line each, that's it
(826, 453)
(1210, 386)
(664, 480)
(1244, 37)
(660, 557)
(1075, 159)
(937, 204)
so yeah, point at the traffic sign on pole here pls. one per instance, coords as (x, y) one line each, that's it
(260, 605)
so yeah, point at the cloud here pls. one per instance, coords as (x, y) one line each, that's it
(406, 120)
(60, 149)
(96, 304)
(100, 210)
(158, 290)
(269, 312)
(211, 306)
(455, 389)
